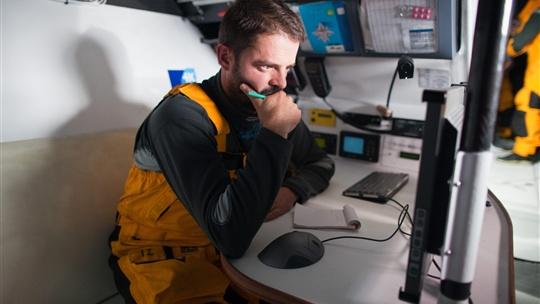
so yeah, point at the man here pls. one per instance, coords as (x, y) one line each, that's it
(211, 164)
(526, 121)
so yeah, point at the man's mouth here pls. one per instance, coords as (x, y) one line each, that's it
(270, 91)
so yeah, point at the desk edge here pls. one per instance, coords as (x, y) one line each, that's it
(260, 290)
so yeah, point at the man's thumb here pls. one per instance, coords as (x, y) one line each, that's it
(255, 97)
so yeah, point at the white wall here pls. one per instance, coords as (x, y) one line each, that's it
(69, 69)
(367, 80)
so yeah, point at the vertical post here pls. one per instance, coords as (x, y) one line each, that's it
(469, 186)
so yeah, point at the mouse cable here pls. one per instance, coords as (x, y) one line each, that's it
(436, 265)
(107, 298)
(402, 207)
(438, 269)
(408, 216)
(351, 122)
(401, 219)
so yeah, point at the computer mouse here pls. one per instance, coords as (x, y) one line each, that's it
(294, 249)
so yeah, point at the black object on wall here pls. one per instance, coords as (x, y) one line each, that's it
(205, 17)
(159, 6)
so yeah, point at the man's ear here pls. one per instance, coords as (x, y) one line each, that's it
(225, 56)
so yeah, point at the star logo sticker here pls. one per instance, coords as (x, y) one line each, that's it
(323, 32)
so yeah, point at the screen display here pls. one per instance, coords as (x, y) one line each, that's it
(409, 155)
(359, 145)
(321, 142)
(325, 141)
(353, 145)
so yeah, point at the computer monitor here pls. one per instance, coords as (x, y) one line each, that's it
(442, 132)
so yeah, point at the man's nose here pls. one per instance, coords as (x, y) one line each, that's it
(279, 79)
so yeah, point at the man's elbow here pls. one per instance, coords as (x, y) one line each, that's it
(234, 250)
(232, 244)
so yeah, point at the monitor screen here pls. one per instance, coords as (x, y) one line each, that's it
(353, 145)
(359, 145)
(442, 132)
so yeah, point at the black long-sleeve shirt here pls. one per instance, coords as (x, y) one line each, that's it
(178, 139)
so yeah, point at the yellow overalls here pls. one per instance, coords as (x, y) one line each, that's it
(506, 102)
(162, 251)
(527, 100)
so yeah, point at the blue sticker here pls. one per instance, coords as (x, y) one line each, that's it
(182, 76)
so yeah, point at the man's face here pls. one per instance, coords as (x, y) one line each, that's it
(263, 67)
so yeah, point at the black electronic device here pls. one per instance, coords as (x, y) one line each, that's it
(405, 70)
(294, 249)
(442, 130)
(295, 81)
(316, 73)
(378, 186)
(407, 127)
(405, 67)
(326, 141)
(206, 17)
(359, 145)
(362, 119)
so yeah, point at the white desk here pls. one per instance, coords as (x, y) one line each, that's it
(360, 271)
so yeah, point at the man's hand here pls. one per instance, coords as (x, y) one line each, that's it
(284, 202)
(277, 112)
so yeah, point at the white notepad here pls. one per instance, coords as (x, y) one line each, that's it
(318, 218)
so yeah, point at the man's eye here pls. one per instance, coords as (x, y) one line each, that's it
(265, 67)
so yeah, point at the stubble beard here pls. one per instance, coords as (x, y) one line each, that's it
(239, 98)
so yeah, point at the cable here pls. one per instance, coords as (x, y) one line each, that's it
(526, 261)
(390, 89)
(401, 218)
(107, 298)
(408, 216)
(82, 2)
(351, 122)
(402, 207)
(436, 265)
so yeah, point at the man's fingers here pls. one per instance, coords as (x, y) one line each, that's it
(256, 98)
(245, 88)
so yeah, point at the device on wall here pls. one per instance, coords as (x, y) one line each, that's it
(322, 117)
(326, 141)
(317, 76)
(295, 81)
(359, 145)
(405, 70)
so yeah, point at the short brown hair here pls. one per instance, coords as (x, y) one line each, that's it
(246, 19)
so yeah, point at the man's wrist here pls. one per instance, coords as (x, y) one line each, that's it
(291, 194)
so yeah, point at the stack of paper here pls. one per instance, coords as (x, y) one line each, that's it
(318, 218)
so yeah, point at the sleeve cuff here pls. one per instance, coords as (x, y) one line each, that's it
(302, 196)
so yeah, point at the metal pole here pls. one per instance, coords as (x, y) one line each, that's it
(469, 186)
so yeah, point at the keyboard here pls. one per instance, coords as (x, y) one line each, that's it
(378, 186)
